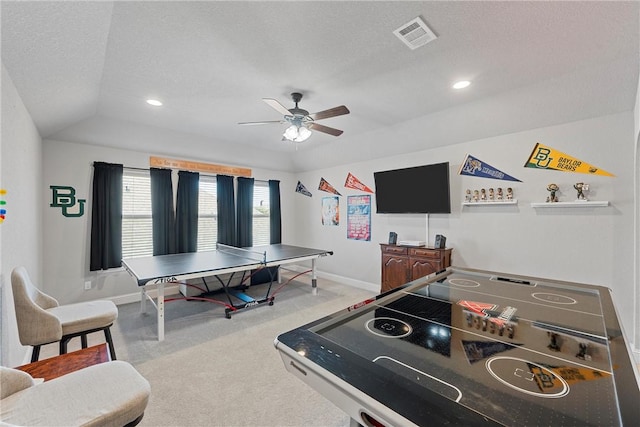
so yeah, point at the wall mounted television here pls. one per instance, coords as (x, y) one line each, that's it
(419, 189)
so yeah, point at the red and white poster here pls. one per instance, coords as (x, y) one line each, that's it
(359, 217)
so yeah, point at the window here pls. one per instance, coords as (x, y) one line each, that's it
(261, 212)
(137, 235)
(207, 214)
(137, 232)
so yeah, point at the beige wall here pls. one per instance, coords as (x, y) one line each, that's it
(636, 133)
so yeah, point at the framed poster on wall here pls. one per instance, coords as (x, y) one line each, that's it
(359, 217)
(331, 210)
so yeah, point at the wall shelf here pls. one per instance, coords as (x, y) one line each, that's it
(576, 204)
(494, 203)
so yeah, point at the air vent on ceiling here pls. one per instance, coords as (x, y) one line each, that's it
(415, 33)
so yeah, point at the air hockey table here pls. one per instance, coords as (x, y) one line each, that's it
(472, 347)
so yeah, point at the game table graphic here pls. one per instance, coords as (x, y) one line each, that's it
(222, 264)
(473, 347)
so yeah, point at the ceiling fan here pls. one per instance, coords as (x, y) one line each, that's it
(301, 122)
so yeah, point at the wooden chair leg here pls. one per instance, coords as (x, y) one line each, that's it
(35, 353)
(107, 337)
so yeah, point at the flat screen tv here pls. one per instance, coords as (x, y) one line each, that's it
(419, 189)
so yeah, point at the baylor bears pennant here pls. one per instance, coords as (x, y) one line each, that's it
(543, 157)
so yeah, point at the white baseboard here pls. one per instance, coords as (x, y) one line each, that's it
(135, 297)
(373, 287)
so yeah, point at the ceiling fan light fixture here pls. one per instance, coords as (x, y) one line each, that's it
(303, 133)
(297, 133)
(461, 84)
(300, 121)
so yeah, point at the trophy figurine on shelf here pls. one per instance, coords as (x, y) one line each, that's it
(581, 188)
(552, 189)
(467, 196)
(509, 193)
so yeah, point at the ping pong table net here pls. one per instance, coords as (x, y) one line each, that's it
(242, 252)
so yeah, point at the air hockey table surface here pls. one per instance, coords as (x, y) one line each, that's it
(473, 347)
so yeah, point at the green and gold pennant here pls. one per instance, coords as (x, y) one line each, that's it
(543, 157)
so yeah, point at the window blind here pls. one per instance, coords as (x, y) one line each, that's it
(207, 214)
(137, 235)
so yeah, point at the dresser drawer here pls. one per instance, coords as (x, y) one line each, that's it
(395, 250)
(425, 253)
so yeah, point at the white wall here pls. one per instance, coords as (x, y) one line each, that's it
(67, 240)
(592, 245)
(21, 232)
(636, 133)
(589, 245)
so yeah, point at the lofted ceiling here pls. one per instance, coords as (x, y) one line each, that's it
(85, 68)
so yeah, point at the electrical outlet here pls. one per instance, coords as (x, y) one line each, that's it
(87, 285)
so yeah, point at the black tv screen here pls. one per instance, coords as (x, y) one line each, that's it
(420, 189)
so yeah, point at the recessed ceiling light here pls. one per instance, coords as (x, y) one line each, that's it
(461, 84)
(154, 102)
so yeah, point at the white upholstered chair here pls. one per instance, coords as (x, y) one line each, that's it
(41, 320)
(110, 394)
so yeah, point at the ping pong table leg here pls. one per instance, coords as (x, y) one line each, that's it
(143, 299)
(314, 280)
(160, 307)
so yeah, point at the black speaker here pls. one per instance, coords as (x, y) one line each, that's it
(441, 241)
(393, 238)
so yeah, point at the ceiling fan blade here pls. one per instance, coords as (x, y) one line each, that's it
(277, 106)
(262, 123)
(325, 129)
(332, 112)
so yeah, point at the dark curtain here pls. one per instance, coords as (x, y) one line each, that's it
(163, 214)
(106, 217)
(187, 212)
(275, 216)
(226, 210)
(245, 212)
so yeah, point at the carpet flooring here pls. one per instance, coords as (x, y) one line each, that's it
(214, 371)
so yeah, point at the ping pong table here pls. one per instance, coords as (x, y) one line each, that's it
(223, 261)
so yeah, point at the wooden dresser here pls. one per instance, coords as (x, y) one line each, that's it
(402, 264)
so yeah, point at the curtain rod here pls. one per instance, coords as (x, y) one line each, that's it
(203, 174)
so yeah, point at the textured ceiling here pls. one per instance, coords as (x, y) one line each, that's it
(84, 70)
